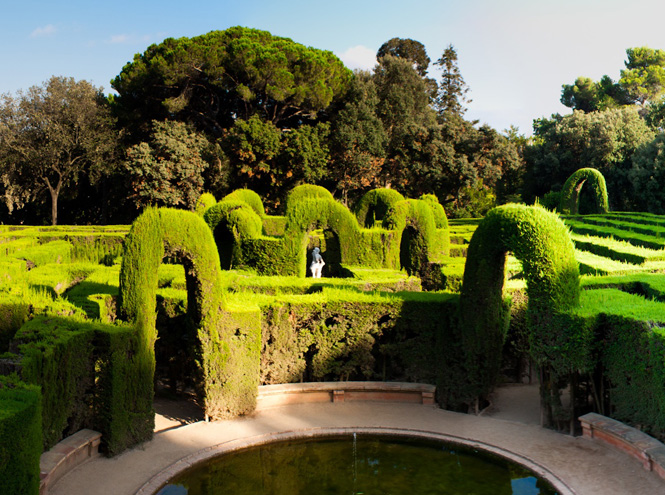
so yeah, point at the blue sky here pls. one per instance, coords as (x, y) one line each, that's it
(513, 54)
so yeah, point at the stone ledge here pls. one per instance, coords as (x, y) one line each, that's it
(66, 455)
(649, 451)
(297, 393)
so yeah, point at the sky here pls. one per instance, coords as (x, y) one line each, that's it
(513, 54)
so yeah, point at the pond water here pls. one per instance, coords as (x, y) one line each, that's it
(358, 465)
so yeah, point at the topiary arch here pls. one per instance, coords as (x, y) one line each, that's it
(309, 214)
(414, 223)
(570, 194)
(374, 205)
(229, 357)
(540, 240)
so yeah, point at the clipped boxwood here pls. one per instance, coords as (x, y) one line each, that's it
(250, 197)
(540, 240)
(570, 193)
(20, 437)
(166, 232)
(374, 205)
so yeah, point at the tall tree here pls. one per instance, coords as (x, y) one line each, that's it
(358, 140)
(168, 169)
(407, 117)
(644, 75)
(50, 136)
(604, 140)
(211, 80)
(451, 97)
(408, 49)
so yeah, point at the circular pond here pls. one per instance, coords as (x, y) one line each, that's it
(358, 464)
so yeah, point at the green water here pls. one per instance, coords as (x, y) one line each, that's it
(368, 465)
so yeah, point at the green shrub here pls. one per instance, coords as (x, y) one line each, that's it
(551, 200)
(374, 205)
(414, 223)
(232, 222)
(306, 191)
(20, 437)
(274, 225)
(250, 197)
(541, 242)
(440, 218)
(58, 356)
(571, 191)
(205, 201)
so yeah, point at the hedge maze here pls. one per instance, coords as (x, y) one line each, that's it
(216, 302)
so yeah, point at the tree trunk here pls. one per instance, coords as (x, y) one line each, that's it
(55, 192)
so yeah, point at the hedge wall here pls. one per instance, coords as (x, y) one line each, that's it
(85, 371)
(570, 194)
(20, 437)
(540, 240)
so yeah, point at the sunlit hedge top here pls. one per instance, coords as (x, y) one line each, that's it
(205, 201)
(570, 193)
(306, 191)
(249, 197)
(375, 204)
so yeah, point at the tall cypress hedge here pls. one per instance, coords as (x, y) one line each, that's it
(570, 194)
(223, 347)
(540, 240)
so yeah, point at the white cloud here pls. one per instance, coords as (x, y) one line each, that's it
(359, 57)
(120, 38)
(47, 30)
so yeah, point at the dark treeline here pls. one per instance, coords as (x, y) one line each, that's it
(243, 108)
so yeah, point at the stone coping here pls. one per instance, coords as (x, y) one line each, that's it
(66, 455)
(649, 451)
(297, 393)
(160, 480)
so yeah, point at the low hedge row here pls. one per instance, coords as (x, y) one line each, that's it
(85, 372)
(20, 437)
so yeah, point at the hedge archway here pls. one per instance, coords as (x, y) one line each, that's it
(570, 194)
(229, 362)
(540, 240)
(374, 205)
(414, 223)
(310, 214)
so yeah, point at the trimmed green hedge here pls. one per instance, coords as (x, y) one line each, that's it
(250, 197)
(223, 348)
(205, 201)
(571, 191)
(413, 221)
(541, 242)
(20, 437)
(85, 371)
(374, 205)
(306, 191)
(310, 214)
